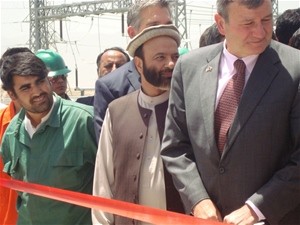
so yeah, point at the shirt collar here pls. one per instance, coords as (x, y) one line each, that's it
(229, 59)
(152, 101)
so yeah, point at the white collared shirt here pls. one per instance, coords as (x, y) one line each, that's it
(152, 185)
(227, 69)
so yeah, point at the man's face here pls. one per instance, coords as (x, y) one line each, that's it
(59, 84)
(160, 56)
(247, 31)
(33, 94)
(151, 16)
(110, 61)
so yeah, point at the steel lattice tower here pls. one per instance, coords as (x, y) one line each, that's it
(42, 17)
(275, 9)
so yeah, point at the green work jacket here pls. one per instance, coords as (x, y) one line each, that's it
(60, 154)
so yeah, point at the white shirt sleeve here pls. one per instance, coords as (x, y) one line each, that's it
(256, 210)
(103, 174)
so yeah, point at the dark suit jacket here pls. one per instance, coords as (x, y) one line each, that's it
(261, 161)
(118, 83)
(87, 100)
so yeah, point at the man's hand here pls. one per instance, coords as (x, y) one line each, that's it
(243, 216)
(207, 210)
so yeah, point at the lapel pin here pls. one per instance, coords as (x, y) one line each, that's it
(208, 69)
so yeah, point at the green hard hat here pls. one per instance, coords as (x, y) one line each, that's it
(183, 51)
(53, 61)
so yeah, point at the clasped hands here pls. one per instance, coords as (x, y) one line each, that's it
(206, 209)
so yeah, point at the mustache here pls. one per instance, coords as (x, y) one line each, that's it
(40, 95)
(168, 70)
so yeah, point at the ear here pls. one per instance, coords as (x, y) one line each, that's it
(98, 72)
(220, 23)
(131, 32)
(12, 95)
(138, 64)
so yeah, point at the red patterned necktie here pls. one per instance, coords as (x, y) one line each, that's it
(228, 104)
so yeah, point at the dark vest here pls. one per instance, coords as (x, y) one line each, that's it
(129, 128)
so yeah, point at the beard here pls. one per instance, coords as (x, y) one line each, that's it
(158, 78)
(40, 107)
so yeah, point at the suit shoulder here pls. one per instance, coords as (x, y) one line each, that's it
(209, 51)
(280, 47)
(120, 80)
(87, 100)
(286, 55)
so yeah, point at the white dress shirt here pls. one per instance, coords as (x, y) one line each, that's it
(227, 70)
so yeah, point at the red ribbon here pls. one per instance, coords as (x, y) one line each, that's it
(134, 211)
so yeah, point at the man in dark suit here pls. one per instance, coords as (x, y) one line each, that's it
(125, 79)
(254, 176)
(111, 59)
(107, 61)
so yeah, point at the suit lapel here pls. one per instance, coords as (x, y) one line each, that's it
(264, 72)
(208, 91)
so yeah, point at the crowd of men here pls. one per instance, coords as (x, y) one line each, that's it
(213, 133)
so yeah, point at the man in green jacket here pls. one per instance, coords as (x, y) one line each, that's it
(51, 141)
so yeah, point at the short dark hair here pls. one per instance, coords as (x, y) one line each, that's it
(23, 64)
(295, 40)
(287, 24)
(211, 36)
(11, 51)
(222, 5)
(119, 49)
(139, 52)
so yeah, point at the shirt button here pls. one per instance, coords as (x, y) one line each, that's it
(135, 199)
(222, 170)
(141, 135)
(145, 115)
(138, 156)
(134, 178)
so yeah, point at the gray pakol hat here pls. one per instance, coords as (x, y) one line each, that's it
(153, 32)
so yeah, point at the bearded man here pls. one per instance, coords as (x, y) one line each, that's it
(128, 166)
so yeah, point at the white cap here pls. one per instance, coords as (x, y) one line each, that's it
(152, 32)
